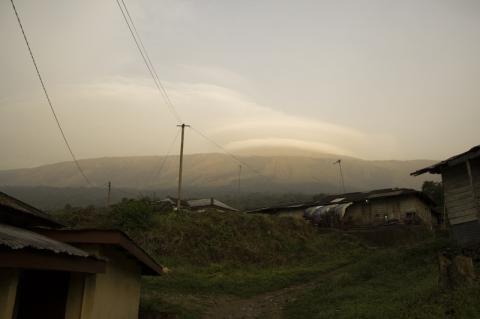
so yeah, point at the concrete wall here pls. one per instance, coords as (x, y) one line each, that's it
(114, 294)
(375, 210)
(8, 291)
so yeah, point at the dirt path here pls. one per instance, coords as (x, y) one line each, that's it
(268, 305)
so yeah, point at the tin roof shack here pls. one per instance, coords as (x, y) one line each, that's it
(197, 205)
(60, 278)
(293, 210)
(378, 207)
(461, 185)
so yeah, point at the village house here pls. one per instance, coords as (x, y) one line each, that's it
(377, 207)
(195, 205)
(461, 186)
(50, 272)
(292, 210)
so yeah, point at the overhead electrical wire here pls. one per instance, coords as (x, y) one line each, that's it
(72, 154)
(169, 150)
(227, 152)
(148, 63)
(146, 58)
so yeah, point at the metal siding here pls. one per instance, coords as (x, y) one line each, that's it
(16, 238)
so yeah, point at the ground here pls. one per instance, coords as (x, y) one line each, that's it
(243, 266)
(373, 282)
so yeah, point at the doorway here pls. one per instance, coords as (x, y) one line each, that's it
(42, 294)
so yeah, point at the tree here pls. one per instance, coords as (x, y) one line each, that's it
(131, 215)
(434, 190)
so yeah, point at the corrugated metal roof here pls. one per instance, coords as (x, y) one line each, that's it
(474, 152)
(375, 194)
(198, 203)
(107, 237)
(16, 238)
(274, 209)
(349, 198)
(194, 203)
(20, 207)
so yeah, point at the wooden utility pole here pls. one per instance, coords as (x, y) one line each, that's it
(239, 176)
(180, 169)
(109, 193)
(339, 162)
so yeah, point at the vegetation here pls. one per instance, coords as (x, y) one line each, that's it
(434, 190)
(391, 283)
(215, 256)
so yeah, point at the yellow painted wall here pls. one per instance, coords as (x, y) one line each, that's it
(112, 295)
(8, 291)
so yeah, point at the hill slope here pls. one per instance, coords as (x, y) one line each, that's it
(218, 171)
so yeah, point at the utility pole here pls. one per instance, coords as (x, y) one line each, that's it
(239, 176)
(339, 162)
(109, 193)
(180, 169)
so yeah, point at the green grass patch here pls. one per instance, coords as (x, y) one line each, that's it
(390, 283)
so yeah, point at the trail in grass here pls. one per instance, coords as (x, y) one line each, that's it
(263, 306)
(268, 305)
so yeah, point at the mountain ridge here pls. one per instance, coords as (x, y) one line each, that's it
(216, 170)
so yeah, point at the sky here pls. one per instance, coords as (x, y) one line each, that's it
(373, 79)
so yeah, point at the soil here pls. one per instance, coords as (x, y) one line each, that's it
(268, 305)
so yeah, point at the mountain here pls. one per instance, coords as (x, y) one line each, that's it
(268, 173)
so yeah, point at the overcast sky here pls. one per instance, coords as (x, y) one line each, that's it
(374, 79)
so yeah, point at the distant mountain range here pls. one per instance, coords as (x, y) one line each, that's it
(300, 173)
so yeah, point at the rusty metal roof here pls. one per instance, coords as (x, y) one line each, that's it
(474, 152)
(14, 211)
(14, 238)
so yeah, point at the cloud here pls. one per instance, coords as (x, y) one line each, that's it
(227, 116)
(286, 142)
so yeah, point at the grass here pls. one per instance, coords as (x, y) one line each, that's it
(213, 255)
(391, 283)
(390, 273)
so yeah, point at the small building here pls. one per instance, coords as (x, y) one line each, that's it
(196, 205)
(461, 186)
(292, 210)
(50, 272)
(378, 207)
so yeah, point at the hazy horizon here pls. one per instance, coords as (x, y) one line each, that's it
(386, 80)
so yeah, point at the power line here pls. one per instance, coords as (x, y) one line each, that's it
(48, 98)
(169, 150)
(148, 63)
(227, 152)
(146, 59)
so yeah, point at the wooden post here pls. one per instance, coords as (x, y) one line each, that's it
(180, 169)
(109, 193)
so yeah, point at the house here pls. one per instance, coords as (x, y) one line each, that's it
(292, 210)
(56, 273)
(461, 186)
(377, 207)
(197, 205)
